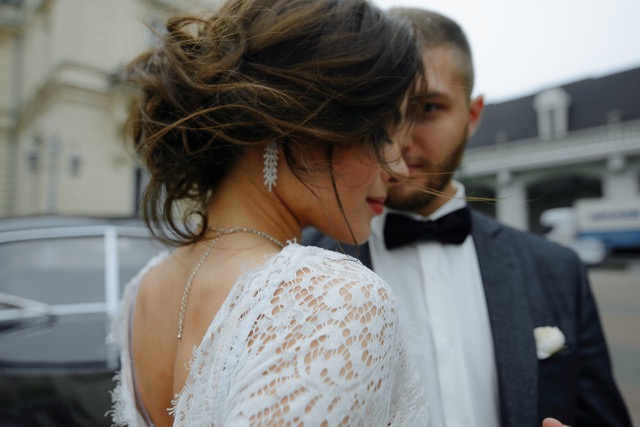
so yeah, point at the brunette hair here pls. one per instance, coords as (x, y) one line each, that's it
(298, 72)
(434, 30)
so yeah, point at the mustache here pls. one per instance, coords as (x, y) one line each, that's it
(427, 168)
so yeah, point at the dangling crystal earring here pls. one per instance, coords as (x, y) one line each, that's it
(270, 170)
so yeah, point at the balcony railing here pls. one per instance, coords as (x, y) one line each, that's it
(577, 147)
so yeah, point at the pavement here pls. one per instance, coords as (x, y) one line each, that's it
(617, 292)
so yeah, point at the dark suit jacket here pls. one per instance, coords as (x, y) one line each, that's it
(532, 282)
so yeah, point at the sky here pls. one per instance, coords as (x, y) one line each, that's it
(523, 46)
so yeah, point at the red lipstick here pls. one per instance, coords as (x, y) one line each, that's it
(377, 204)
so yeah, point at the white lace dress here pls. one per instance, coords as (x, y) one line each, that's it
(309, 338)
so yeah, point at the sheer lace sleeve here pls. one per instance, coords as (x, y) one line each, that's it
(311, 339)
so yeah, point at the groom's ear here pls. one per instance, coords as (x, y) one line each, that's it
(476, 107)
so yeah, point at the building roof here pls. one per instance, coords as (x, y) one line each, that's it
(594, 102)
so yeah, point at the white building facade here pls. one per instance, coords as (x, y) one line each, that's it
(61, 115)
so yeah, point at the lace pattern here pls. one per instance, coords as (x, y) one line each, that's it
(308, 338)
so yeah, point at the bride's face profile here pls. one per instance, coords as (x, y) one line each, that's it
(344, 193)
(344, 196)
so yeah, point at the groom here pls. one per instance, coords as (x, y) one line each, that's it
(469, 300)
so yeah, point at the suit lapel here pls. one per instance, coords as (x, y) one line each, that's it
(511, 323)
(365, 255)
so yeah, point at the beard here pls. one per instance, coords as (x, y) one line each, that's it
(421, 190)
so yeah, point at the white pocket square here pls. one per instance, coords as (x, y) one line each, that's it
(549, 340)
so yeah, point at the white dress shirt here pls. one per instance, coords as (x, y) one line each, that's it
(443, 315)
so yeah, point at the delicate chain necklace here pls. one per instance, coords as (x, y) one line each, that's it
(220, 232)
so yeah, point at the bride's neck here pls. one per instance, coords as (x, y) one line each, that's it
(239, 202)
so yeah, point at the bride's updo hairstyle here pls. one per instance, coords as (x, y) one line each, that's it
(302, 73)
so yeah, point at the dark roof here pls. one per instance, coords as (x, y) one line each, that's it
(592, 102)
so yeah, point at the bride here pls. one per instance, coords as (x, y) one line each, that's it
(264, 118)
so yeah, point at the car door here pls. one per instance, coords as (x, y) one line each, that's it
(59, 290)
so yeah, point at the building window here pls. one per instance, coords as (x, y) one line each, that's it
(552, 109)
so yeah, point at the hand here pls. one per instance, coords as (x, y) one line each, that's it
(552, 422)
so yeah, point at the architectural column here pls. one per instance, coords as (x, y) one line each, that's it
(620, 182)
(511, 203)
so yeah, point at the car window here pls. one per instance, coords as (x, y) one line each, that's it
(54, 271)
(67, 274)
(133, 254)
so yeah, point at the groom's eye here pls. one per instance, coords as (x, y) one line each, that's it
(430, 107)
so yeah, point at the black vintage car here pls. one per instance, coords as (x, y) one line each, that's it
(61, 279)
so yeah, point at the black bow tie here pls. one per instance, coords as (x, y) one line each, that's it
(453, 228)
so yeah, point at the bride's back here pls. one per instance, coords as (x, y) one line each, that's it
(162, 360)
(311, 334)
